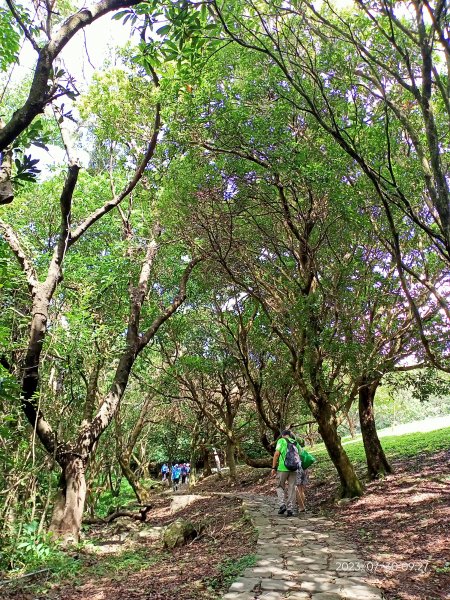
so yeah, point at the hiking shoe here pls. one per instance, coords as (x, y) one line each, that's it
(282, 509)
(289, 513)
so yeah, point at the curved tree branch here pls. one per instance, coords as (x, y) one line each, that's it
(40, 92)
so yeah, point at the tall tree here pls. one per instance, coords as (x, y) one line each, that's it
(43, 279)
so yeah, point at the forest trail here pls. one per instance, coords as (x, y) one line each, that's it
(299, 558)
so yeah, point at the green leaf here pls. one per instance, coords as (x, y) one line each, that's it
(120, 15)
(164, 29)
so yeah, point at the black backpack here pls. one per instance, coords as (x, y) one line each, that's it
(292, 458)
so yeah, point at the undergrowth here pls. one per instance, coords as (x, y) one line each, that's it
(229, 570)
(58, 566)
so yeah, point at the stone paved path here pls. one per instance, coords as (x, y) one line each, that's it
(299, 558)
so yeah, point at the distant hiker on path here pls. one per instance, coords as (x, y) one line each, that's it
(176, 472)
(306, 460)
(183, 470)
(217, 460)
(286, 462)
(302, 478)
(164, 472)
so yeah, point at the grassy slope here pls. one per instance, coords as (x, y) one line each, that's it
(402, 446)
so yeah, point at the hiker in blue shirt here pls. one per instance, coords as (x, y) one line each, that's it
(164, 472)
(176, 472)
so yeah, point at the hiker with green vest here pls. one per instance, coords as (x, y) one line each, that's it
(286, 462)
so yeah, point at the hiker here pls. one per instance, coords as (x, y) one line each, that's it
(176, 471)
(217, 460)
(188, 472)
(306, 460)
(302, 478)
(183, 471)
(164, 472)
(286, 462)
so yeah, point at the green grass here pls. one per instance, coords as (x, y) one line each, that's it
(128, 561)
(108, 502)
(229, 570)
(399, 446)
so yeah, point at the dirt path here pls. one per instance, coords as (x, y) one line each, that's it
(299, 558)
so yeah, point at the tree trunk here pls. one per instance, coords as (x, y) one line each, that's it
(90, 402)
(206, 466)
(377, 463)
(114, 488)
(141, 493)
(257, 463)
(30, 370)
(267, 444)
(351, 425)
(69, 503)
(192, 474)
(124, 454)
(231, 460)
(350, 484)
(193, 455)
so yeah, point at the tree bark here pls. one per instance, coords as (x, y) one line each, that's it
(257, 463)
(30, 370)
(231, 460)
(377, 463)
(6, 188)
(350, 485)
(69, 503)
